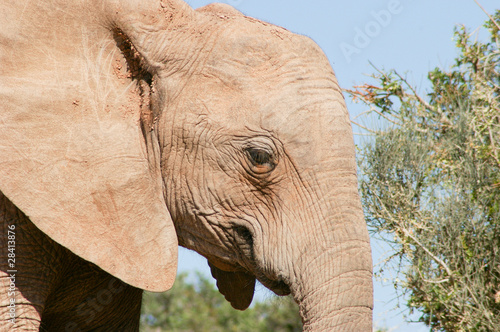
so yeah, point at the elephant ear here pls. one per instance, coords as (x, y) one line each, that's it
(77, 152)
(237, 287)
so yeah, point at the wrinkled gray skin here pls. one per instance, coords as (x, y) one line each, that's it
(127, 126)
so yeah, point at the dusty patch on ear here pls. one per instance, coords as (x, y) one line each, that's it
(135, 62)
(137, 71)
(237, 287)
(220, 9)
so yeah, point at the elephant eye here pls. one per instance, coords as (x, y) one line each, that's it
(262, 161)
(259, 157)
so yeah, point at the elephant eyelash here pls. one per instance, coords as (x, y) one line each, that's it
(261, 160)
(259, 157)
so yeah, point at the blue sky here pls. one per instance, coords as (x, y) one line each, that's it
(412, 37)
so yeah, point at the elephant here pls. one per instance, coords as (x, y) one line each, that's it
(130, 127)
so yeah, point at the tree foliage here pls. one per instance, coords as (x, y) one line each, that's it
(430, 183)
(198, 306)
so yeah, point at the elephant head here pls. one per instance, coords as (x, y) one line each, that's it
(141, 125)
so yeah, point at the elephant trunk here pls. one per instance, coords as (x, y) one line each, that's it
(333, 285)
(337, 298)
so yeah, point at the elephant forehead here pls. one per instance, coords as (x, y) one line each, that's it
(311, 123)
(263, 77)
(265, 51)
(311, 134)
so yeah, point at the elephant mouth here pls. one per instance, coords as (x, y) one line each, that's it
(278, 287)
(236, 279)
(245, 240)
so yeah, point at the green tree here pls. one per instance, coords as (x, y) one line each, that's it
(198, 306)
(430, 184)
